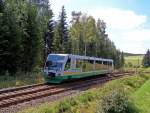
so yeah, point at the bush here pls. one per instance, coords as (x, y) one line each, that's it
(116, 102)
(134, 82)
(66, 106)
(130, 64)
(86, 97)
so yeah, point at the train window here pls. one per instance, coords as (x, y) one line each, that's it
(98, 65)
(84, 65)
(68, 63)
(79, 63)
(87, 65)
(90, 65)
(106, 64)
(48, 63)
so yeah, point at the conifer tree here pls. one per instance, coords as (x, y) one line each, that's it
(1, 6)
(122, 59)
(146, 59)
(10, 38)
(2, 39)
(62, 32)
(57, 46)
(31, 42)
(47, 24)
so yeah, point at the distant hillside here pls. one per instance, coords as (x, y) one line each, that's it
(132, 54)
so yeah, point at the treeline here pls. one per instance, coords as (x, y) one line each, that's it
(27, 36)
(21, 32)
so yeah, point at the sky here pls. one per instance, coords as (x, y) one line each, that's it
(128, 21)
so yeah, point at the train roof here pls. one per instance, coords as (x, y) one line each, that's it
(83, 57)
(59, 54)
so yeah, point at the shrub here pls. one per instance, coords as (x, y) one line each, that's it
(86, 97)
(134, 82)
(130, 64)
(116, 102)
(66, 105)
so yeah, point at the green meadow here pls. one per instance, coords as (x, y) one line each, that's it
(133, 60)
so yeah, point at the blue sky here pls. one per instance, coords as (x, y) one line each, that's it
(128, 21)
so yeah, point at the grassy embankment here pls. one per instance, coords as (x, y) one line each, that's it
(20, 79)
(91, 101)
(142, 98)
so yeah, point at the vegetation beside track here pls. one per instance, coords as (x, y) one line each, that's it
(132, 61)
(92, 100)
(142, 98)
(7, 81)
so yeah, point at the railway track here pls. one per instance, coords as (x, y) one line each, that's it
(14, 96)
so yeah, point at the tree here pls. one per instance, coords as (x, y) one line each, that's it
(122, 59)
(3, 41)
(1, 6)
(47, 25)
(75, 34)
(31, 42)
(61, 31)
(89, 37)
(146, 59)
(102, 38)
(10, 38)
(21, 31)
(56, 43)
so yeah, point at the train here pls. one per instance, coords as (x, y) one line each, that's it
(63, 67)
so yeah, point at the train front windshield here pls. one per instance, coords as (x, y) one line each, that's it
(55, 62)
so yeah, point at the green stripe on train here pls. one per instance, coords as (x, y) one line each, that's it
(59, 79)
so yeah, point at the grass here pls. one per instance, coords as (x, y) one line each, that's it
(142, 98)
(88, 101)
(134, 63)
(134, 60)
(20, 79)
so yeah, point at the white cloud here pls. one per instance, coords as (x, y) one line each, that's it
(125, 28)
(137, 35)
(132, 47)
(119, 19)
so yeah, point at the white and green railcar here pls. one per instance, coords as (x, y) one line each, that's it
(62, 67)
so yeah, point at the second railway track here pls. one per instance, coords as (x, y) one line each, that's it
(20, 95)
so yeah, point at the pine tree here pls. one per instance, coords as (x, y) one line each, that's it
(2, 39)
(10, 38)
(57, 46)
(48, 31)
(1, 6)
(122, 59)
(31, 42)
(62, 32)
(146, 59)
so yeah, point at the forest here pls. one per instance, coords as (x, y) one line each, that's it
(27, 36)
